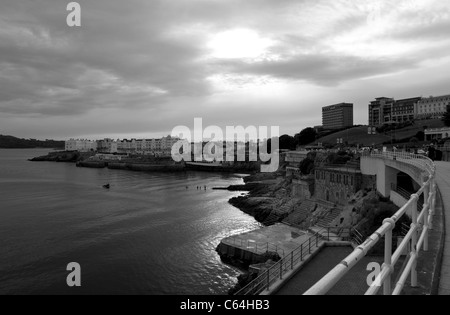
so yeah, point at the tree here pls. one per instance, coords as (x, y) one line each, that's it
(306, 166)
(446, 118)
(420, 135)
(306, 136)
(287, 142)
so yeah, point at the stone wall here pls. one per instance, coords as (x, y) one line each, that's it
(337, 185)
(303, 188)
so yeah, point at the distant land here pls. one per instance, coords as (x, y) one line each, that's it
(10, 142)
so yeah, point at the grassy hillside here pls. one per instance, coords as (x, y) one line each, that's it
(359, 134)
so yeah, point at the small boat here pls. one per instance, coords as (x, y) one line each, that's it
(107, 186)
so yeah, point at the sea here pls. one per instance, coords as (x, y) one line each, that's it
(149, 234)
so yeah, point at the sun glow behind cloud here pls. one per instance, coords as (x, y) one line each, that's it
(237, 44)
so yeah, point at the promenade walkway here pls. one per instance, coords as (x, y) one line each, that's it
(443, 182)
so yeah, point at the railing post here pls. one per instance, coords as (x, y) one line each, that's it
(281, 269)
(427, 193)
(301, 252)
(292, 260)
(268, 279)
(309, 247)
(433, 203)
(414, 240)
(388, 255)
(328, 229)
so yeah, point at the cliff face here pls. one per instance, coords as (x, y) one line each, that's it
(267, 192)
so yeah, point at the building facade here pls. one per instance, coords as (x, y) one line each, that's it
(107, 146)
(80, 145)
(405, 110)
(433, 107)
(380, 111)
(337, 184)
(437, 133)
(337, 116)
(386, 110)
(157, 147)
(294, 158)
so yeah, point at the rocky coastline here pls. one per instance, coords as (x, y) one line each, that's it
(265, 191)
(139, 163)
(63, 156)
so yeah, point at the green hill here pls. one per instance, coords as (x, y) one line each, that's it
(359, 135)
(10, 142)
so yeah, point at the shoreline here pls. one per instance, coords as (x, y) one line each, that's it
(140, 163)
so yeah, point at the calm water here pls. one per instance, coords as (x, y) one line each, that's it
(146, 235)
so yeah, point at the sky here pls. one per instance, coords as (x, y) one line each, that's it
(139, 68)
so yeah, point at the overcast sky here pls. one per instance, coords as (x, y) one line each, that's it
(138, 68)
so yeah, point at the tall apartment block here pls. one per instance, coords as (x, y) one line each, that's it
(337, 116)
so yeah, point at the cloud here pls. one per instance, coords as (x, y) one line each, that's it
(151, 62)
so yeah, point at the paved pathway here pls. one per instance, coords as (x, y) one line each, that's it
(313, 271)
(443, 182)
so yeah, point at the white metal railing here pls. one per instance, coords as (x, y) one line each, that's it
(267, 278)
(420, 223)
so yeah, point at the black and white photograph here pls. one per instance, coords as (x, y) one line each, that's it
(237, 155)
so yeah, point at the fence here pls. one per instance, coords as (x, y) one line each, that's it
(276, 272)
(420, 223)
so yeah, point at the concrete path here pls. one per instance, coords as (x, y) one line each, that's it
(443, 182)
(313, 271)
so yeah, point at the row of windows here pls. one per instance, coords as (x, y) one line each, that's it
(336, 178)
(429, 105)
(434, 100)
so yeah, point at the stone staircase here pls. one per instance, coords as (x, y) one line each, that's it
(301, 213)
(281, 211)
(272, 219)
(329, 218)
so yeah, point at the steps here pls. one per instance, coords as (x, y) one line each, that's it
(301, 213)
(287, 208)
(281, 211)
(272, 219)
(329, 218)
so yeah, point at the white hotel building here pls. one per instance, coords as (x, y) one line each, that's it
(432, 107)
(157, 147)
(80, 145)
